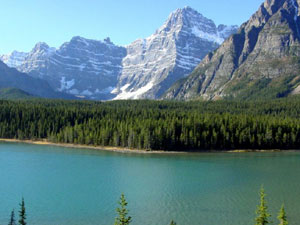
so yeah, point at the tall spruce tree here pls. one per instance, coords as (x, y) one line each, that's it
(282, 216)
(262, 214)
(123, 218)
(22, 213)
(12, 220)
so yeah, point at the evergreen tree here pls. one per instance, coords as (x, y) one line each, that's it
(123, 218)
(282, 216)
(262, 214)
(12, 218)
(22, 213)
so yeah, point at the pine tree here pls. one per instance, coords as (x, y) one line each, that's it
(282, 216)
(12, 220)
(262, 214)
(172, 223)
(123, 218)
(22, 213)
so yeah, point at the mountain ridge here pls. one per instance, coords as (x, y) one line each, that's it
(145, 68)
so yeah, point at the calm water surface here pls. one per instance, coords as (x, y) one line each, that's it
(64, 186)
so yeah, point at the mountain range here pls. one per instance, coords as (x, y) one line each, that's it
(188, 58)
(144, 69)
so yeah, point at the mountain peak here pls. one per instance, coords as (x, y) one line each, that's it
(78, 39)
(154, 63)
(185, 13)
(41, 46)
(188, 19)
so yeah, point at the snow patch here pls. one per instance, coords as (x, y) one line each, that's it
(206, 36)
(296, 15)
(105, 91)
(226, 31)
(133, 94)
(86, 93)
(66, 85)
(74, 92)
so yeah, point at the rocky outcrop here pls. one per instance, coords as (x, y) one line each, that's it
(261, 60)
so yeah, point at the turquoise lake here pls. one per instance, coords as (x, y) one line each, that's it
(65, 186)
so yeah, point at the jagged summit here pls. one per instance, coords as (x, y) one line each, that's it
(78, 40)
(261, 60)
(189, 20)
(171, 53)
(41, 46)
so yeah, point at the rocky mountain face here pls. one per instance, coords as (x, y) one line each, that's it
(262, 60)
(144, 69)
(153, 64)
(11, 78)
(80, 67)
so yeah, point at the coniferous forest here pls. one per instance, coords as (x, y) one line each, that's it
(156, 125)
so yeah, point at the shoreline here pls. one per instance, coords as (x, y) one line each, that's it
(100, 148)
(136, 151)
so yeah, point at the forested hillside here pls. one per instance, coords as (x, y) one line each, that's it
(156, 125)
(14, 94)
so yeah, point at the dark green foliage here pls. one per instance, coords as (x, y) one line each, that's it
(123, 218)
(282, 217)
(12, 220)
(156, 125)
(262, 210)
(172, 223)
(22, 213)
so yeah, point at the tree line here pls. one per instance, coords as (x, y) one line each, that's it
(156, 125)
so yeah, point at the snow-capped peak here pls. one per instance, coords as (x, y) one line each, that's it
(189, 20)
(14, 59)
(152, 64)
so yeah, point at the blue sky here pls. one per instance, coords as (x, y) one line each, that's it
(26, 22)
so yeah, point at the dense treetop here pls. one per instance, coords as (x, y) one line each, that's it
(157, 125)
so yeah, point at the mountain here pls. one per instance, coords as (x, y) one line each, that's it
(14, 94)
(81, 67)
(11, 78)
(153, 64)
(144, 69)
(15, 59)
(262, 60)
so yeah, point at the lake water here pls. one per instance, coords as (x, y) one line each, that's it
(64, 186)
